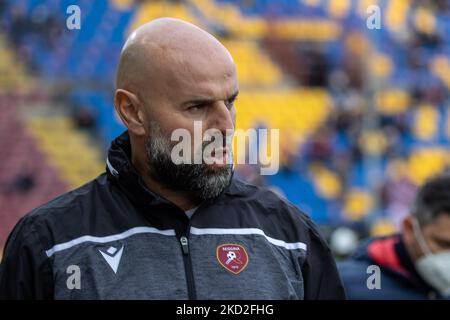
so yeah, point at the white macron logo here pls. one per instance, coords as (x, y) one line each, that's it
(112, 257)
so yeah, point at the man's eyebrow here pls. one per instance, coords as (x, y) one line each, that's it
(199, 101)
(208, 101)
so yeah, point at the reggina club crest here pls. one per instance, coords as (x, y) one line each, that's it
(232, 257)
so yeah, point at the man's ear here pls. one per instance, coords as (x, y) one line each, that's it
(408, 229)
(130, 111)
(408, 237)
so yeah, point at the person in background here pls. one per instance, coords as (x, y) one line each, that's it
(414, 264)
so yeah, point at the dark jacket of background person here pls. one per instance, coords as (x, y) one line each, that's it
(399, 279)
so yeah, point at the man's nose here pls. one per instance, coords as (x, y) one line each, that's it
(221, 117)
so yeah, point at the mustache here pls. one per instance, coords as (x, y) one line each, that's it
(225, 144)
(221, 144)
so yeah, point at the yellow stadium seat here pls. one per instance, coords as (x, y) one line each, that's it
(67, 149)
(326, 182)
(339, 8)
(152, 10)
(255, 27)
(423, 163)
(383, 227)
(381, 65)
(426, 122)
(392, 101)
(122, 4)
(373, 142)
(424, 21)
(296, 111)
(357, 204)
(440, 67)
(396, 12)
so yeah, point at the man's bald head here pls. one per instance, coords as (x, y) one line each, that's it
(161, 47)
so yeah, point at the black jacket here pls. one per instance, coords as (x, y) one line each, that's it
(115, 239)
(398, 278)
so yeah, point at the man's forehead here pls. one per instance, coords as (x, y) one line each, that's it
(189, 80)
(198, 63)
(202, 91)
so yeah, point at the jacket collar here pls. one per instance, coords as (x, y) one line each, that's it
(390, 253)
(121, 170)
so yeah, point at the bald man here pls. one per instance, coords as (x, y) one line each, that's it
(152, 227)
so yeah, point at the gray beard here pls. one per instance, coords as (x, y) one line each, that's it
(203, 180)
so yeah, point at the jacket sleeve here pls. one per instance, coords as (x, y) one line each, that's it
(320, 274)
(25, 271)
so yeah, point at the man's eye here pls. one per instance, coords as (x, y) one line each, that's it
(443, 243)
(230, 103)
(196, 107)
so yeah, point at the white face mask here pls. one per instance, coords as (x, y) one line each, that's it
(434, 268)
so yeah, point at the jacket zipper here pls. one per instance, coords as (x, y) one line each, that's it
(184, 241)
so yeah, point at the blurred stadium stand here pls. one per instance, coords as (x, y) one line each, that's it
(363, 114)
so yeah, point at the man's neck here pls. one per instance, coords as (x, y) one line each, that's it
(183, 200)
